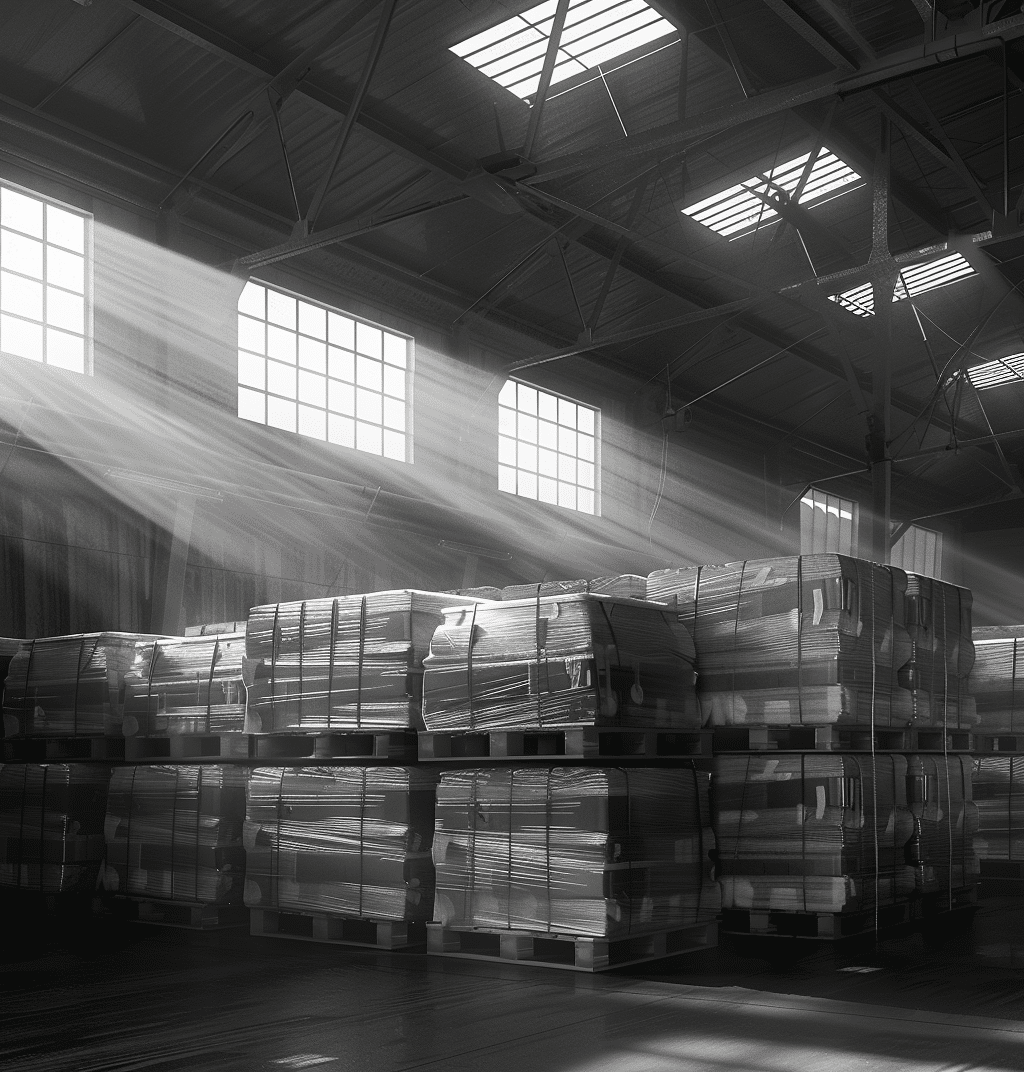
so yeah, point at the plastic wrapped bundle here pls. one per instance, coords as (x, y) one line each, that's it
(186, 685)
(69, 686)
(812, 832)
(938, 617)
(348, 841)
(8, 649)
(626, 586)
(51, 826)
(946, 818)
(605, 852)
(548, 662)
(805, 640)
(997, 678)
(998, 793)
(354, 663)
(174, 833)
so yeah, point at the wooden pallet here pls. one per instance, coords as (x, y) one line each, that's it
(578, 742)
(397, 745)
(1012, 870)
(985, 741)
(188, 747)
(839, 739)
(572, 952)
(336, 930)
(832, 926)
(62, 749)
(187, 915)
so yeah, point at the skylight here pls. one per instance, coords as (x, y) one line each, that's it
(738, 211)
(595, 32)
(994, 373)
(918, 279)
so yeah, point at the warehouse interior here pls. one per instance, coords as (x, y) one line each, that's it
(762, 259)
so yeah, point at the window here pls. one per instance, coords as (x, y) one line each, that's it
(45, 284)
(739, 210)
(918, 550)
(993, 373)
(828, 524)
(918, 279)
(547, 447)
(310, 369)
(595, 32)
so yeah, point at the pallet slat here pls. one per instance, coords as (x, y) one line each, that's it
(336, 930)
(571, 952)
(186, 915)
(577, 742)
(839, 739)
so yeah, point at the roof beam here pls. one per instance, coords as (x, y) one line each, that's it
(821, 87)
(226, 48)
(819, 41)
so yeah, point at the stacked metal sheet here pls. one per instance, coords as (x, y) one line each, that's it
(938, 618)
(556, 661)
(174, 833)
(997, 678)
(605, 852)
(946, 821)
(805, 640)
(51, 826)
(69, 686)
(998, 793)
(349, 841)
(8, 649)
(812, 832)
(186, 685)
(625, 586)
(353, 663)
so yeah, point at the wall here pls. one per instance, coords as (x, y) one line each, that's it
(95, 470)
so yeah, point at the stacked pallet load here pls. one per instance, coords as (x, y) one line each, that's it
(557, 661)
(808, 640)
(350, 664)
(8, 649)
(174, 842)
(186, 686)
(998, 789)
(340, 853)
(624, 586)
(584, 867)
(69, 686)
(938, 620)
(51, 827)
(940, 792)
(997, 681)
(812, 844)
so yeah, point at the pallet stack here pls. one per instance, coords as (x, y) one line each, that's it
(338, 830)
(997, 682)
(829, 819)
(570, 848)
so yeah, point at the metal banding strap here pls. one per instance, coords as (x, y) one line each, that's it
(175, 799)
(799, 649)
(547, 844)
(209, 685)
(359, 666)
(28, 725)
(330, 663)
(362, 828)
(302, 666)
(150, 727)
(199, 812)
(275, 851)
(736, 641)
(78, 679)
(274, 645)
(511, 805)
(469, 669)
(541, 656)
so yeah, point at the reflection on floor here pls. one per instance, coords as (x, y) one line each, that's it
(157, 999)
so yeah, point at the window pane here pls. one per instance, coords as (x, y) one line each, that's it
(585, 447)
(527, 483)
(394, 414)
(65, 270)
(21, 338)
(394, 381)
(369, 373)
(527, 399)
(341, 430)
(253, 300)
(21, 296)
(341, 331)
(547, 490)
(312, 422)
(394, 445)
(507, 479)
(251, 335)
(395, 349)
(507, 421)
(368, 406)
(585, 419)
(506, 450)
(566, 468)
(369, 340)
(65, 229)
(567, 495)
(252, 405)
(312, 355)
(527, 428)
(21, 212)
(507, 395)
(312, 320)
(547, 406)
(65, 351)
(281, 344)
(281, 379)
(547, 463)
(281, 309)
(21, 254)
(527, 457)
(369, 438)
(585, 501)
(313, 389)
(585, 474)
(252, 371)
(341, 397)
(341, 365)
(547, 435)
(65, 310)
(280, 414)
(566, 413)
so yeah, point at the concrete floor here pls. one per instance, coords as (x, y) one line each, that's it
(133, 998)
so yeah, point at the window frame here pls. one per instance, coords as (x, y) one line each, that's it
(827, 500)
(597, 436)
(88, 292)
(917, 532)
(410, 354)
